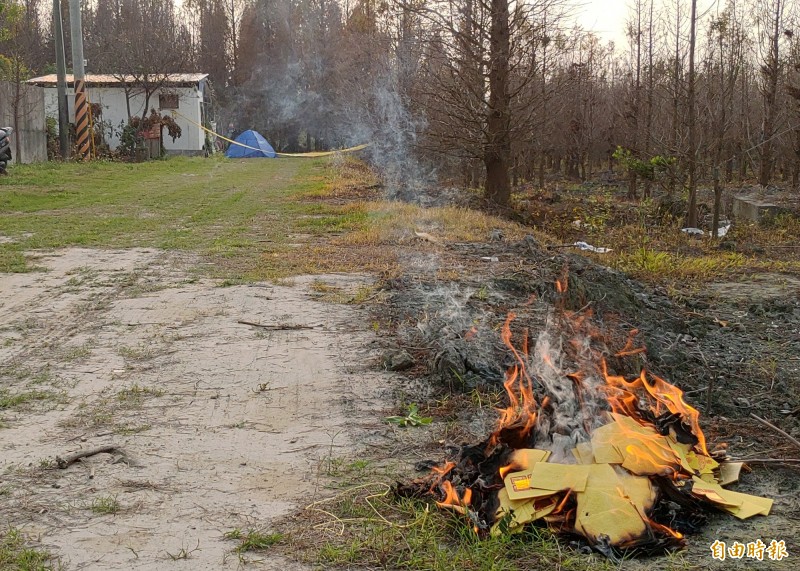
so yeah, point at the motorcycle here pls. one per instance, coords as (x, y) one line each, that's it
(5, 148)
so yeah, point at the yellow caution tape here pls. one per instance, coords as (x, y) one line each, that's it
(304, 155)
(325, 153)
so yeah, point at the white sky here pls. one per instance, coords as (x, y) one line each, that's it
(606, 18)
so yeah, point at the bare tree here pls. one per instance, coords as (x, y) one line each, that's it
(20, 55)
(483, 55)
(692, 119)
(771, 18)
(141, 43)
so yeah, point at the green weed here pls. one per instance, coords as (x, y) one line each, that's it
(135, 394)
(375, 530)
(16, 556)
(411, 418)
(105, 505)
(8, 400)
(253, 540)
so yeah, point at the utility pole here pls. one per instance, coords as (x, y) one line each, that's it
(81, 103)
(61, 70)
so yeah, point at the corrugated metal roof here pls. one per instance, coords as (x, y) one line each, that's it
(173, 79)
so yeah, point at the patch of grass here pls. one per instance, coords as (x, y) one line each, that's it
(232, 212)
(244, 216)
(105, 505)
(8, 400)
(15, 555)
(100, 413)
(46, 464)
(363, 294)
(141, 353)
(184, 553)
(136, 394)
(12, 260)
(372, 529)
(253, 540)
(410, 418)
(128, 430)
(72, 354)
(652, 265)
(346, 470)
(320, 286)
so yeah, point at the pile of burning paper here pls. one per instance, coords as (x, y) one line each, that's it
(637, 476)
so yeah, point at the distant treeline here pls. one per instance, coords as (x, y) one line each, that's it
(490, 91)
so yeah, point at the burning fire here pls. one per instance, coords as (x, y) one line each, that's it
(646, 444)
(625, 396)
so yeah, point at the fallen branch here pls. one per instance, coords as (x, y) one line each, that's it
(276, 327)
(67, 461)
(792, 439)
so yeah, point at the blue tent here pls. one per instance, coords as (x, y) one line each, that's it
(258, 147)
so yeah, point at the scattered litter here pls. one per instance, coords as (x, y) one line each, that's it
(589, 248)
(722, 231)
(490, 258)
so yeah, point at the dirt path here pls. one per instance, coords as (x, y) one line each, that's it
(222, 425)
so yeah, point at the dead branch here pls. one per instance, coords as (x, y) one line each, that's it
(776, 429)
(67, 461)
(276, 327)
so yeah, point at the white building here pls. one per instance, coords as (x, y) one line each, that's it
(186, 93)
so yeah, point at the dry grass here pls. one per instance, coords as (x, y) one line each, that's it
(395, 223)
(372, 235)
(652, 248)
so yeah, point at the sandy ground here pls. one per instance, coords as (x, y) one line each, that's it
(221, 425)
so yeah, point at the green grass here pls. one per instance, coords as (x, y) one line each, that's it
(253, 540)
(135, 394)
(8, 401)
(105, 505)
(16, 556)
(253, 220)
(374, 530)
(232, 211)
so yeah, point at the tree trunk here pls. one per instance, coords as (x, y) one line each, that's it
(770, 103)
(15, 105)
(497, 152)
(128, 102)
(674, 138)
(717, 203)
(796, 166)
(637, 98)
(540, 174)
(692, 214)
(648, 130)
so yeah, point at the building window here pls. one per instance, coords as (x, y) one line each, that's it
(168, 100)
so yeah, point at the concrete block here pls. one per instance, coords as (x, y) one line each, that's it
(751, 208)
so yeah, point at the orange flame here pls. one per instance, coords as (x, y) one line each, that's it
(664, 529)
(663, 395)
(629, 348)
(521, 409)
(451, 498)
(441, 473)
